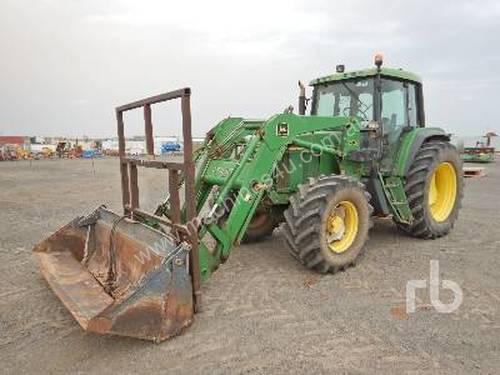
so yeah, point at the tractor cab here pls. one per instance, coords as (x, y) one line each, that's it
(390, 97)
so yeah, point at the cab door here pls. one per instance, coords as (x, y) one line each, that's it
(398, 113)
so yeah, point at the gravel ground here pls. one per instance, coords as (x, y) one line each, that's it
(263, 312)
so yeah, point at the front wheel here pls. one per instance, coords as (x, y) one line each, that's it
(327, 223)
(434, 188)
(263, 223)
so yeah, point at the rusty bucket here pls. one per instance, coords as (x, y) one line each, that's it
(118, 276)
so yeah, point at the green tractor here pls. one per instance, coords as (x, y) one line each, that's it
(363, 151)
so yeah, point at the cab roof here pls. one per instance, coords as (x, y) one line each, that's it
(387, 72)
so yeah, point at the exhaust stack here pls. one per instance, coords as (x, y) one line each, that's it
(302, 98)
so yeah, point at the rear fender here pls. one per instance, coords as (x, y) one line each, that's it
(411, 143)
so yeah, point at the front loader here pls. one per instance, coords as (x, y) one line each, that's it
(363, 151)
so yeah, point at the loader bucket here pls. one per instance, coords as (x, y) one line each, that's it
(117, 276)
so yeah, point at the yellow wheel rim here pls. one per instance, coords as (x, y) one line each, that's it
(442, 191)
(342, 227)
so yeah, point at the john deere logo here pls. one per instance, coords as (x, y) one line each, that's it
(282, 129)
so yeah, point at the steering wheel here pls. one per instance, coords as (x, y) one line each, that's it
(348, 109)
(360, 111)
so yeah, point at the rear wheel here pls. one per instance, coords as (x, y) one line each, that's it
(434, 188)
(327, 223)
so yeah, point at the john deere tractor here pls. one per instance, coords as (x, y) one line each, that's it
(363, 150)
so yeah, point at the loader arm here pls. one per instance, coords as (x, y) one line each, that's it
(139, 274)
(238, 161)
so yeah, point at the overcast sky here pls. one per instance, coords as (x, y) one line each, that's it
(65, 64)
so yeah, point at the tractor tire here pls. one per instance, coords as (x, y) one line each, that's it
(261, 226)
(434, 188)
(327, 223)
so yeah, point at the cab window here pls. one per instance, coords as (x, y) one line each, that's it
(393, 105)
(345, 98)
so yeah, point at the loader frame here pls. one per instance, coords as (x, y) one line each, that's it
(130, 183)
